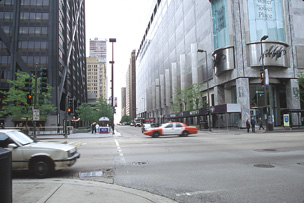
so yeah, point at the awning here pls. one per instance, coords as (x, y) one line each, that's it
(104, 119)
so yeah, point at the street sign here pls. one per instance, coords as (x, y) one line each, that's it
(36, 115)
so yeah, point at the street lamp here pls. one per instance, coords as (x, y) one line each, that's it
(265, 88)
(144, 107)
(208, 96)
(112, 80)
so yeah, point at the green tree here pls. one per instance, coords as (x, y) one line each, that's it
(300, 91)
(93, 112)
(188, 99)
(125, 119)
(15, 99)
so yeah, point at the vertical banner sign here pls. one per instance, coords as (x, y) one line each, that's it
(266, 77)
(115, 102)
(286, 120)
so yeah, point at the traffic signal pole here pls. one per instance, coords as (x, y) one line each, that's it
(35, 102)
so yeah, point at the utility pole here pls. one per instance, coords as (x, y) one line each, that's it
(112, 81)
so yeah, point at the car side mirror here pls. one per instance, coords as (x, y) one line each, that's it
(12, 145)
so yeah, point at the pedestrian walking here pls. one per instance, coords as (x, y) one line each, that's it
(92, 128)
(97, 128)
(253, 124)
(248, 125)
(261, 124)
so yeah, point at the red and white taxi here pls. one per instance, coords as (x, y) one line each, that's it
(172, 128)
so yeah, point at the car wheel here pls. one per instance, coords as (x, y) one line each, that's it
(185, 134)
(156, 134)
(42, 168)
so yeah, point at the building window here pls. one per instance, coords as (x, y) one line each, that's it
(266, 18)
(220, 23)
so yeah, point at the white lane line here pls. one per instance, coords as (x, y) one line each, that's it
(194, 193)
(122, 158)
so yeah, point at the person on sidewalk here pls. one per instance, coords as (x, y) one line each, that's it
(261, 124)
(253, 125)
(248, 125)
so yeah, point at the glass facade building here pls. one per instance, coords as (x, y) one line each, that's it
(45, 33)
(229, 36)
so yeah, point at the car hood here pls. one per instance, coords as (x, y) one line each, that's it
(48, 145)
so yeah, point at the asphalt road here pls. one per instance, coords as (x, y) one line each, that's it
(214, 167)
(207, 167)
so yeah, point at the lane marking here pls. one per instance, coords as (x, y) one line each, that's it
(122, 158)
(195, 193)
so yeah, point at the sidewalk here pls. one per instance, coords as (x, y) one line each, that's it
(73, 190)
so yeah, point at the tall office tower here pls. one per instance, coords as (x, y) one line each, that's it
(227, 46)
(131, 87)
(123, 101)
(96, 77)
(51, 34)
(98, 49)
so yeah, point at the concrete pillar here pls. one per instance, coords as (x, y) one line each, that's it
(243, 98)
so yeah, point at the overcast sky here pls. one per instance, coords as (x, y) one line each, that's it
(125, 20)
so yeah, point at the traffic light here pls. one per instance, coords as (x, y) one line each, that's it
(43, 79)
(28, 85)
(262, 77)
(29, 99)
(70, 105)
(40, 99)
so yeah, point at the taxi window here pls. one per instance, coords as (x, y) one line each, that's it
(169, 125)
(178, 125)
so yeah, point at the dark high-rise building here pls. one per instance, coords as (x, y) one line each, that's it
(45, 33)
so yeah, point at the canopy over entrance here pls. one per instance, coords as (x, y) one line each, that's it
(104, 119)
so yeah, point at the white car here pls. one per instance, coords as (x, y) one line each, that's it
(41, 158)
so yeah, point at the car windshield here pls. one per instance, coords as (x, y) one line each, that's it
(19, 137)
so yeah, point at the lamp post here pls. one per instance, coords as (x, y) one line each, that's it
(144, 107)
(265, 88)
(208, 96)
(112, 80)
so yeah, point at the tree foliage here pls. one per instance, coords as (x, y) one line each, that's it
(188, 99)
(93, 112)
(300, 91)
(126, 119)
(15, 99)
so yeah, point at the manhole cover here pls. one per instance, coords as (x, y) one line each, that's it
(270, 150)
(140, 163)
(90, 174)
(264, 165)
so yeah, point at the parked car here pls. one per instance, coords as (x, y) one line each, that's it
(147, 126)
(172, 128)
(41, 158)
(137, 124)
(132, 124)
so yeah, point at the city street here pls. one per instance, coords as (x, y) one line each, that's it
(224, 166)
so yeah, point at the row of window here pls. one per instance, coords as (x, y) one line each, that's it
(25, 16)
(37, 17)
(5, 60)
(93, 66)
(33, 31)
(35, 3)
(32, 60)
(33, 45)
